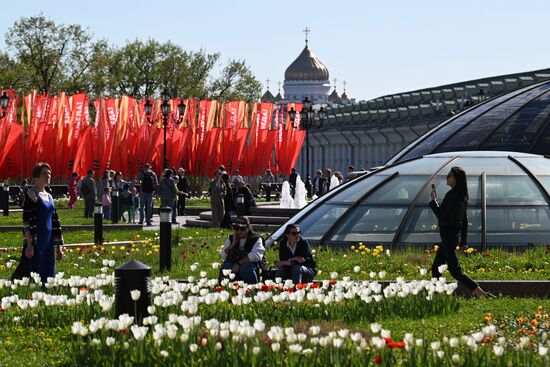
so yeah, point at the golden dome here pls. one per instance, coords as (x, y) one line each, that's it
(306, 67)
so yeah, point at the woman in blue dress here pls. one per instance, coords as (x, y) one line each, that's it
(41, 227)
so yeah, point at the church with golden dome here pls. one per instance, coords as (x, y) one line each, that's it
(367, 134)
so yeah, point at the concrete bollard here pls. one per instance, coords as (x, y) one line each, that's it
(165, 238)
(98, 223)
(240, 205)
(6, 199)
(115, 206)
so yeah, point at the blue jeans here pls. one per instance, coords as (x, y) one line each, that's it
(145, 207)
(298, 273)
(107, 212)
(248, 272)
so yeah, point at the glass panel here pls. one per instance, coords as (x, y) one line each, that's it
(518, 219)
(545, 180)
(520, 130)
(426, 166)
(475, 134)
(422, 227)
(370, 224)
(441, 188)
(315, 225)
(429, 144)
(491, 166)
(401, 190)
(352, 193)
(538, 166)
(513, 190)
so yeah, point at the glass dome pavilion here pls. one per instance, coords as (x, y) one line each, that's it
(509, 202)
(517, 121)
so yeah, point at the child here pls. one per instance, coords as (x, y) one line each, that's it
(106, 201)
(126, 202)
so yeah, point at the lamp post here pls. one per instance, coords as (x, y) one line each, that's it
(165, 110)
(309, 118)
(4, 102)
(481, 96)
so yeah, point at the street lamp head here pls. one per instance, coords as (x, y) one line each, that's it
(165, 95)
(181, 109)
(5, 100)
(292, 114)
(148, 107)
(165, 108)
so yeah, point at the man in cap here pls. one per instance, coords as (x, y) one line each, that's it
(243, 253)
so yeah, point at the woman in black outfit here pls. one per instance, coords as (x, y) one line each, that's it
(453, 226)
(229, 202)
(295, 258)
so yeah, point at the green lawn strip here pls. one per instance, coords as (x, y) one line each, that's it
(34, 346)
(469, 318)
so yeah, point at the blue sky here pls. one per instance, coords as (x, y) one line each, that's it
(378, 47)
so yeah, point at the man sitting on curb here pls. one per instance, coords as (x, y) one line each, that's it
(295, 259)
(243, 252)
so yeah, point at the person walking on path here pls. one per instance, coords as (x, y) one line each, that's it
(228, 202)
(149, 182)
(41, 229)
(217, 192)
(72, 190)
(453, 226)
(168, 193)
(292, 181)
(183, 189)
(88, 193)
(295, 258)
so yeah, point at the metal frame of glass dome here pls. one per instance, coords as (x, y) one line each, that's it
(416, 204)
(440, 134)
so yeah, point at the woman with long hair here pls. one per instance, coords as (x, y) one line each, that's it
(453, 228)
(42, 238)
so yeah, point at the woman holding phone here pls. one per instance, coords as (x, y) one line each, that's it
(453, 228)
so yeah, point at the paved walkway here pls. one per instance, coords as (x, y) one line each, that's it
(156, 222)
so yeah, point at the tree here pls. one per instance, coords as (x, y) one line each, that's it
(54, 56)
(236, 82)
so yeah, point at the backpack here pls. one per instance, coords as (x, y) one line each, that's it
(148, 184)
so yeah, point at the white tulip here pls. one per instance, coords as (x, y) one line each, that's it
(423, 272)
(203, 274)
(382, 274)
(193, 348)
(275, 347)
(218, 346)
(135, 294)
(163, 353)
(109, 341)
(193, 267)
(256, 350)
(455, 358)
(442, 268)
(498, 350)
(543, 351)
(215, 265)
(375, 328)
(333, 275)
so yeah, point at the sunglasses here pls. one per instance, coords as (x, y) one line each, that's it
(295, 233)
(239, 228)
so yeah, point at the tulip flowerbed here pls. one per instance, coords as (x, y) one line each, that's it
(201, 322)
(197, 248)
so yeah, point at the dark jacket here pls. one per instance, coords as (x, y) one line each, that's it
(302, 250)
(292, 179)
(182, 184)
(452, 212)
(236, 254)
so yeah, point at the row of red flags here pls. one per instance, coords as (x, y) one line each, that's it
(58, 130)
